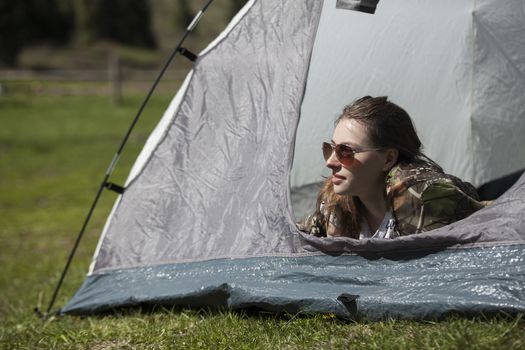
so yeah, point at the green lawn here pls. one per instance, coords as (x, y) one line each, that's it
(54, 150)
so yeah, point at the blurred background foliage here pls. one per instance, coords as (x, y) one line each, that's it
(25, 22)
(49, 34)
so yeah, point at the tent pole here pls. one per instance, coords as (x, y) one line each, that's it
(116, 157)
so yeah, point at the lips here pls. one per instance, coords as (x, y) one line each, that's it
(337, 179)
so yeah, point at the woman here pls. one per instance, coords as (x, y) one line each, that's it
(382, 185)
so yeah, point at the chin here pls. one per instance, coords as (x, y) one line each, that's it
(342, 191)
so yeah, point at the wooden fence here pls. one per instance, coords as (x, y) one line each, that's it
(115, 76)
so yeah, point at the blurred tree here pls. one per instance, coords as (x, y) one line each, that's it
(25, 22)
(123, 21)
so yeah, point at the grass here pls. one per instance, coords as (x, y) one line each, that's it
(54, 149)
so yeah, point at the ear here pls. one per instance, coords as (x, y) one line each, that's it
(391, 155)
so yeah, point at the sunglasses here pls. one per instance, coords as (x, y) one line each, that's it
(344, 153)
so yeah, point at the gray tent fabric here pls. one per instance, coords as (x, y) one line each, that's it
(220, 175)
(206, 218)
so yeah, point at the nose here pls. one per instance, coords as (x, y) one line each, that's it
(332, 162)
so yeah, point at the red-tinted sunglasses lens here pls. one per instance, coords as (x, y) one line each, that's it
(327, 150)
(344, 153)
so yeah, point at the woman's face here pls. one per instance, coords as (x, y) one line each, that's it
(365, 176)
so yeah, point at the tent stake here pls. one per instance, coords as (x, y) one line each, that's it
(114, 161)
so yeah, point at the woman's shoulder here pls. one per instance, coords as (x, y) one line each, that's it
(424, 175)
(423, 197)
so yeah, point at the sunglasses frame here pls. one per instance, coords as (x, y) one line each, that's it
(349, 158)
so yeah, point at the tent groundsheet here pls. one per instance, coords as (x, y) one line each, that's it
(460, 281)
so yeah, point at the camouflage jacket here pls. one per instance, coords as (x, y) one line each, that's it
(420, 197)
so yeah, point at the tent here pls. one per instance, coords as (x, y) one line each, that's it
(207, 219)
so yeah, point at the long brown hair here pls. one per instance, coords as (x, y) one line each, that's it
(388, 126)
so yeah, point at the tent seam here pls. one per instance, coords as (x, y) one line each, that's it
(471, 95)
(480, 245)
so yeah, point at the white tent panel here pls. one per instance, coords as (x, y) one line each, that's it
(498, 121)
(430, 58)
